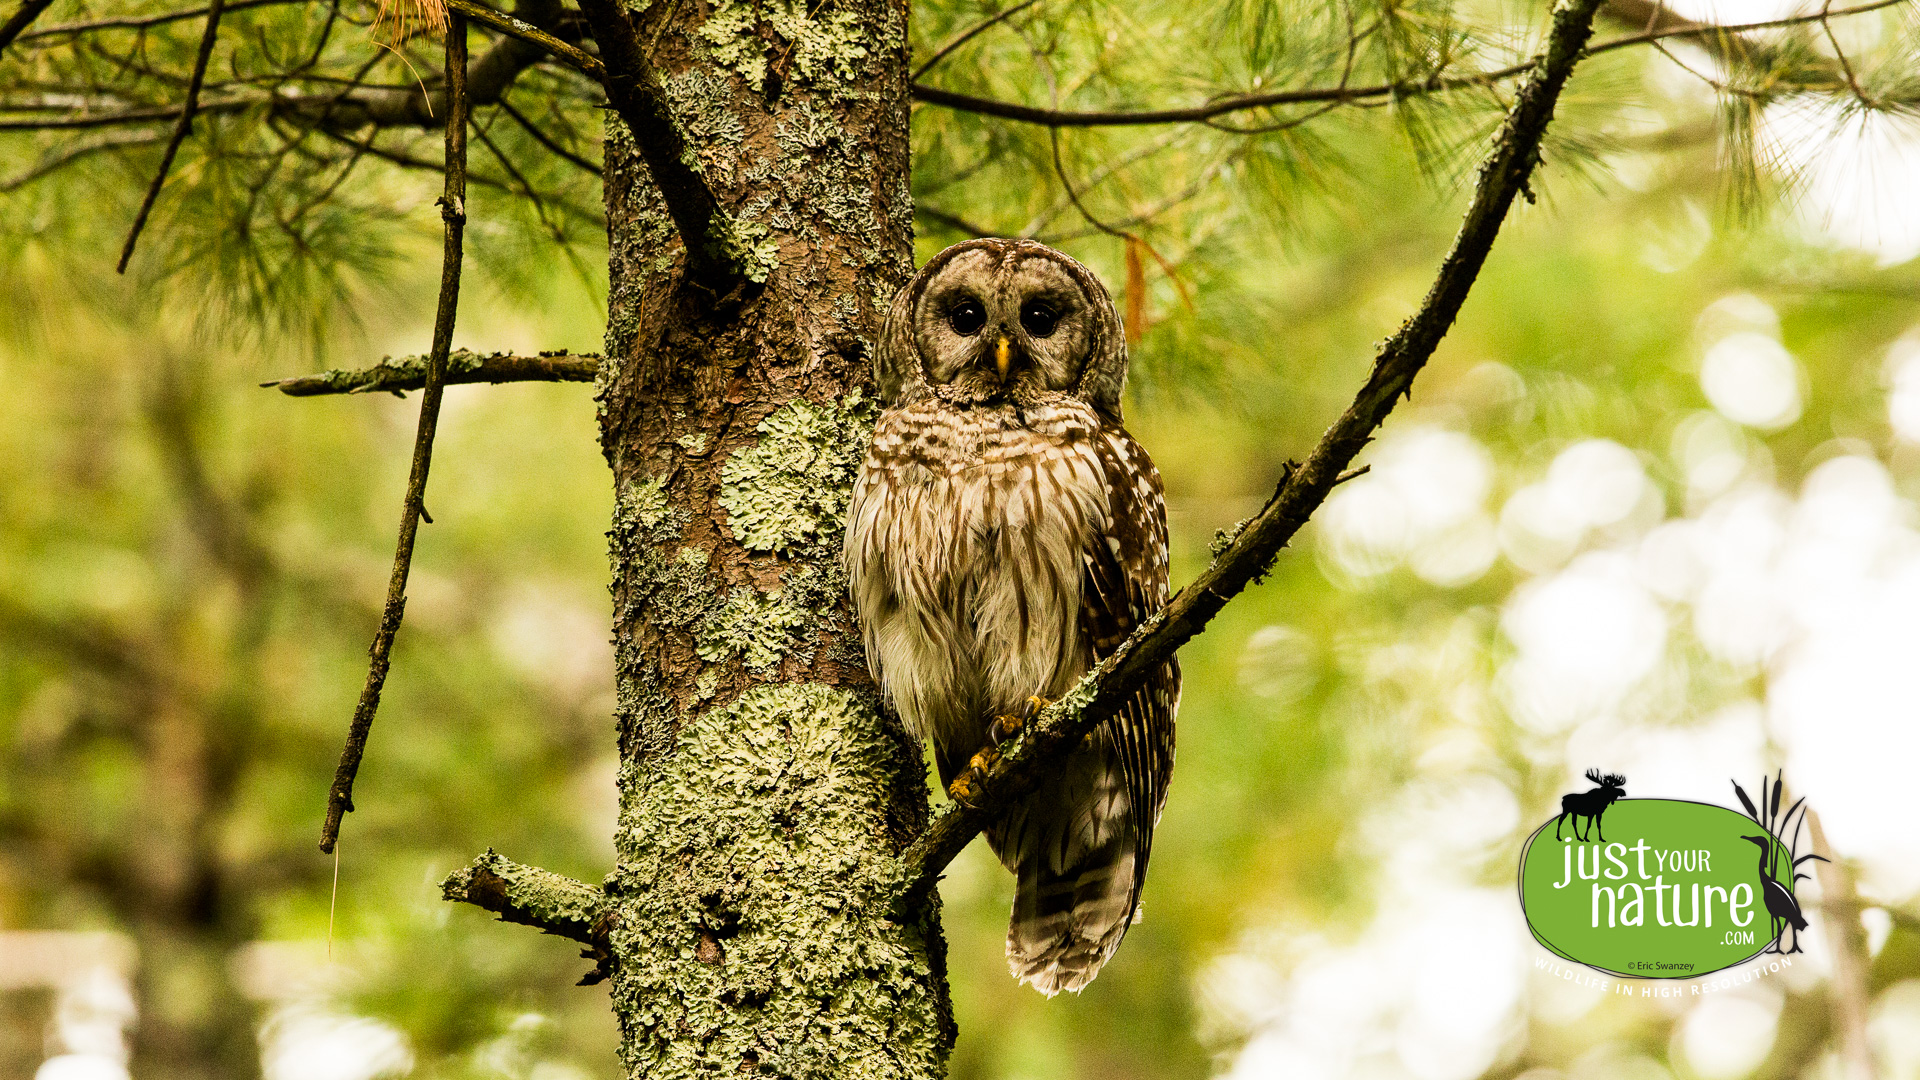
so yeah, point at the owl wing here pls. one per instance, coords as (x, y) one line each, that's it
(1126, 581)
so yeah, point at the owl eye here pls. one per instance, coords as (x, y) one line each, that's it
(967, 317)
(1038, 319)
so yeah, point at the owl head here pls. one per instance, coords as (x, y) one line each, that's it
(1003, 321)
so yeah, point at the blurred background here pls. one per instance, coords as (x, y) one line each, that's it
(1652, 508)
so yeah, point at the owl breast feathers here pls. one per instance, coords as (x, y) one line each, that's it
(1005, 534)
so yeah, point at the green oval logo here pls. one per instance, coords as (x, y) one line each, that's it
(1658, 888)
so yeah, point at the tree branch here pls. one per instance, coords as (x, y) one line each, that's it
(20, 20)
(453, 212)
(145, 21)
(1051, 736)
(1852, 998)
(718, 258)
(66, 155)
(1435, 83)
(180, 130)
(1725, 42)
(491, 75)
(976, 30)
(951, 221)
(530, 896)
(572, 55)
(541, 137)
(463, 366)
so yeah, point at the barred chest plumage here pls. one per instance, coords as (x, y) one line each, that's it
(965, 549)
(1006, 532)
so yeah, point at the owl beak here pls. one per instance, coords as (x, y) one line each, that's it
(1002, 356)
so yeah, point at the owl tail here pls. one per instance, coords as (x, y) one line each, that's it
(1080, 865)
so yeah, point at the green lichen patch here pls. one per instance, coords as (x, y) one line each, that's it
(824, 45)
(761, 628)
(759, 252)
(792, 486)
(695, 443)
(641, 507)
(753, 920)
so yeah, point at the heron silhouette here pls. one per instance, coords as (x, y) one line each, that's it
(1781, 905)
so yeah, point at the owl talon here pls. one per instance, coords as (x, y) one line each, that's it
(967, 788)
(971, 784)
(1039, 704)
(1003, 728)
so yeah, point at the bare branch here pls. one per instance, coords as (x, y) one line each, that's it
(717, 257)
(463, 366)
(573, 56)
(1098, 696)
(530, 896)
(180, 130)
(453, 212)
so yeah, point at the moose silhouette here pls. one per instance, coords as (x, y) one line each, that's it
(1591, 804)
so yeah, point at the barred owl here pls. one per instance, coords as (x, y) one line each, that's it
(1005, 534)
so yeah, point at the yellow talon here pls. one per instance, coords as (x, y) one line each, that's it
(1039, 703)
(966, 789)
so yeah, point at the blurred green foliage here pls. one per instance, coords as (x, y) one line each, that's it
(190, 567)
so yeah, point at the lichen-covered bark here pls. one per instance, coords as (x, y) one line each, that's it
(763, 793)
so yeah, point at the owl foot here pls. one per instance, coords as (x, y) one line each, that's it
(968, 788)
(1003, 728)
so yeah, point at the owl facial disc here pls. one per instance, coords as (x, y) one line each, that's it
(1004, 322)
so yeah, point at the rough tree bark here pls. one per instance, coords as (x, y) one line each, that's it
(762, 792)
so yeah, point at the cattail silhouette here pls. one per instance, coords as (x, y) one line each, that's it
(1778, 898)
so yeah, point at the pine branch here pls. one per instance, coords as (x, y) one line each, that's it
(463, 366)
(1438, 82)
(1046, 741)
(180, 130)
(976, 30)
(541, 137)
(718, 258)
(951, 221)
(490, 76)
(145, 21)
(453, 212)
(67, 155)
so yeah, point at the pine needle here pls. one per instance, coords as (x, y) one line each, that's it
(409, 18)
(1136, 320)
(333, 904)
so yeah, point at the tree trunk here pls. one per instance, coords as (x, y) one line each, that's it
(763, 791)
